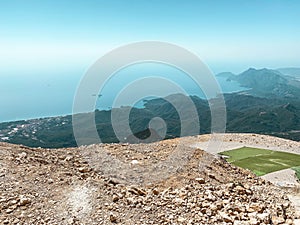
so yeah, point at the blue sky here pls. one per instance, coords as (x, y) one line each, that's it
(46, 46)
(229, 35)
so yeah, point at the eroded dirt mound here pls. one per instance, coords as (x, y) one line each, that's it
(66, 186)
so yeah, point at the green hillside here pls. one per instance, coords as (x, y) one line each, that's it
(245, 114)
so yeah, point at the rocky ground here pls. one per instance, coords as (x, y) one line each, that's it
(144, 184)
(284, 178)
(238, 140)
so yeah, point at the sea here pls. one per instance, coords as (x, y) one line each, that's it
(51, 92)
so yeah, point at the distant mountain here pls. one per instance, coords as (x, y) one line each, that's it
(247, 113)
(292, 72)
(268, 83)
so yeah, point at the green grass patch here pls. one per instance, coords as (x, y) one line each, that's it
(297, 170)
(262, 161)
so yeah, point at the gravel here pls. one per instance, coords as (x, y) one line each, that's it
(65, 186)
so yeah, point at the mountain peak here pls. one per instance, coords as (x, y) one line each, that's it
(266, 82)
(263, 74)
(261, 71)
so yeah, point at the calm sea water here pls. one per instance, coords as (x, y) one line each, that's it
(42, 94)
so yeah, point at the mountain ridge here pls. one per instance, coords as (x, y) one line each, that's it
(267, 83)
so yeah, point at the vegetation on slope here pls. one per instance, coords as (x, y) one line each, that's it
(245, 114)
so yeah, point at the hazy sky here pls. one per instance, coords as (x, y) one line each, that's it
(229, 35)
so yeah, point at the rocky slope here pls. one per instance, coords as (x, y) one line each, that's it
(68, 186)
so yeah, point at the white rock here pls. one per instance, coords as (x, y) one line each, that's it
(134, 162)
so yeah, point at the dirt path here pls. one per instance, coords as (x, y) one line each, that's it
(283, 178)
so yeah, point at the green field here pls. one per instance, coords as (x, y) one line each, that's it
(262, 161)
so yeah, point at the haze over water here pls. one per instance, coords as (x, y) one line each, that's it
(53, 94)
(47, 46)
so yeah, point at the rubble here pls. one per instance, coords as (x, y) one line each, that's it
(60, 186)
